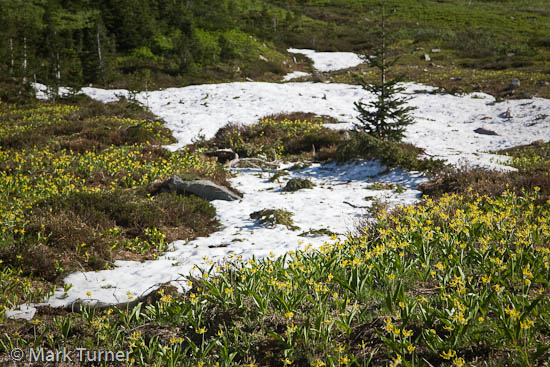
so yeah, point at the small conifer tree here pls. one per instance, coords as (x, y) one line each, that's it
(387, 116)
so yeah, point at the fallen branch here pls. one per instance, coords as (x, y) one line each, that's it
(355, 206)
(273, 164)
(236, 160)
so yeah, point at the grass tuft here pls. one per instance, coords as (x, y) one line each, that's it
(274, 217)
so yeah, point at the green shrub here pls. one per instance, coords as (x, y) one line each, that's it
(479, 44)
(273, 217)
(391, 154)
(208, 49)
(295, 184)
(277, 175)
(236, 44)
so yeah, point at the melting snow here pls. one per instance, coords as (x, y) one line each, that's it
(321, 207)
(330, 61)
(294, 75)
(444, 126)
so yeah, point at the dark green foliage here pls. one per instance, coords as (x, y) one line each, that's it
(77, 42)
(277, 175)
(387, 116)
(295, 184)
(390, 153)
(273, 135)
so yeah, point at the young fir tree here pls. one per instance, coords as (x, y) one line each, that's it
(387, 116)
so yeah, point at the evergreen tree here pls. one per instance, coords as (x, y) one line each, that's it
(387, 116)
(22, 23)
(63, 47)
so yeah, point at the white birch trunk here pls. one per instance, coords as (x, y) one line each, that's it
(12, 61)
(25, 62)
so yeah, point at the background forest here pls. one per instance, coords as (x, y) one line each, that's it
(141, 44)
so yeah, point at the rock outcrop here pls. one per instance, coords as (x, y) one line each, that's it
(205, 189)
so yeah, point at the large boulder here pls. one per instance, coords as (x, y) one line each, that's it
(202, 188)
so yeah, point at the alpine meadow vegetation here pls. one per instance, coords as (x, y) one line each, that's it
(461, 278)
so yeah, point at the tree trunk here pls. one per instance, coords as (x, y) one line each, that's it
(99, 53)
(24, 59)
(12, 61)
(57, 68)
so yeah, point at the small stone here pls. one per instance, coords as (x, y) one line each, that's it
(511, 54)
(514, 84)
(427, 57)
(435, 50)
(316, 77)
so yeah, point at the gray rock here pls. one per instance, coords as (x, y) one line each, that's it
(514, 84)
(202, 188)
(435, 50)
(316, 77)
(483, 131)
(23, 312)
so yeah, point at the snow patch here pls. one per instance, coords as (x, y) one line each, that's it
(325, 206)
(23, 312)
(444, 123)
(295, 75)
(330, 61)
